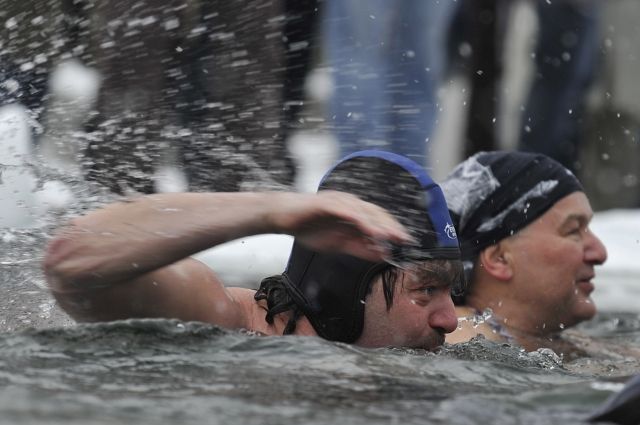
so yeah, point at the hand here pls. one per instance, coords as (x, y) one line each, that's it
(339, 222)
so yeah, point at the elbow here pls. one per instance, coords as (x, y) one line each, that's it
(65, 279)
(55, 267)
(63, 266)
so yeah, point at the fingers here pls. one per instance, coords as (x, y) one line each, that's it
(372, 230)
(373, 221)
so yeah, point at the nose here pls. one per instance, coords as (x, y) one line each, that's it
(595, 251)
(443, 318)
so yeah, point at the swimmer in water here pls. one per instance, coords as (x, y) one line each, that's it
(372, 262)
(523, 224)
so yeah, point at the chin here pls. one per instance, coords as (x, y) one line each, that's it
(582, 306)
(586, 312)
(590, 308)
(589, 315)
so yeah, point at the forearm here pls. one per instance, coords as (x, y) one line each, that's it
(125, 241)
(128, 239)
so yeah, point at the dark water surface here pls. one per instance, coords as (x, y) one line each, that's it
(166, 372)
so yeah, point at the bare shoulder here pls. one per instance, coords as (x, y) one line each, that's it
(187, 290)
(255, 312)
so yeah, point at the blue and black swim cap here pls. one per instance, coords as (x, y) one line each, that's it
(330, 289)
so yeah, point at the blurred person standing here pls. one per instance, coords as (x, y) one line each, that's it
(386, 60)
(566, 60)
(192, 82)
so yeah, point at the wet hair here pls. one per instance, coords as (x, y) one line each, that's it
(493, 195)
(274, 290)
(329, 288)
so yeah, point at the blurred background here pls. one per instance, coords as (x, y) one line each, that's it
(194, 95)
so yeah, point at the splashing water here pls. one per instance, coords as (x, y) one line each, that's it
(476, 319)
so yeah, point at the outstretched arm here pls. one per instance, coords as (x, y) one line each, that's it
(130, 259)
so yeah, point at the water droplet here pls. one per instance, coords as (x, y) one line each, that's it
(27, 66)
(11, 23)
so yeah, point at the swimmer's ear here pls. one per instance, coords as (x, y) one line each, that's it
(496, 262)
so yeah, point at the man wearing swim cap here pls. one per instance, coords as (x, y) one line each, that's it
(523, 224)
(372, 263)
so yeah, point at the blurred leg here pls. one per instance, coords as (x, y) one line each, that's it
(133, 49)
(239, 141)
(416, 64)
(355, 36)
(566, 58)
(386, 61)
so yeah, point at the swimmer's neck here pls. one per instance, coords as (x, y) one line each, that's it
(495, 327)
(535, 338)
(520, 321)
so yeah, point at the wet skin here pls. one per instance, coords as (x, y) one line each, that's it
(553, 262)
(421, 314)
(537, 282)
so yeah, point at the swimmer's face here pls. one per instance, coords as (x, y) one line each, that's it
(421, 314)
(553, 264)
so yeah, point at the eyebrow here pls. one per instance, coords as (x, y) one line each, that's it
(580, 218)
(433, 278)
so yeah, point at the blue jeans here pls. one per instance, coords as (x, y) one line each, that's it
(386, 59)
(566, 58)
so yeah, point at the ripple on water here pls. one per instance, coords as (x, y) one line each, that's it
(165, 371)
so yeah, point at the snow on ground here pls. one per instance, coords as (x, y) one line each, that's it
(618, 280)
